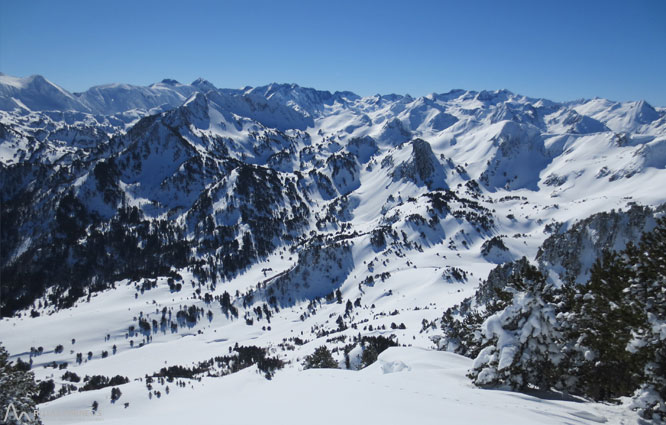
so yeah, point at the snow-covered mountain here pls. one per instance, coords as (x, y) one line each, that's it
(36, 92)
(169, 224)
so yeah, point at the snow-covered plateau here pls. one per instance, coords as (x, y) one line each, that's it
(202, 243)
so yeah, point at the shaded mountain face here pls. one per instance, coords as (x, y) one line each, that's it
(128, 182)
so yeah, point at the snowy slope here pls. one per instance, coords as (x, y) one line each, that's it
(405, 384)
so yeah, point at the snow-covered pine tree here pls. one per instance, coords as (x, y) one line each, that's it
(320, 359)
(462, 324)
(17, 389)
(648, 291)
(598, 329)
(522, 340)
(462, 336)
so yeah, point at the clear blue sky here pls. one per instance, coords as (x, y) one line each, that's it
(560, 50)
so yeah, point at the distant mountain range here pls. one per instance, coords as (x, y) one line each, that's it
(278, 164)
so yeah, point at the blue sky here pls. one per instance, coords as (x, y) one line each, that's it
(560, 50)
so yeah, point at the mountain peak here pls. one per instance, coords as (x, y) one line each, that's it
(203, 84)
(197, 104)
(283, 86)
(37, 78)
(501, 95)
(645, 113)
(35, 93)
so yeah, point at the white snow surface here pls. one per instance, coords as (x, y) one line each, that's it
(406, 385)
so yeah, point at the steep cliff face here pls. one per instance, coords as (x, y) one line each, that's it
(422, 167)
(570, 252)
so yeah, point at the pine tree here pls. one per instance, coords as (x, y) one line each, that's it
(320, 359)
(17, 389)
(464, 336)
(522, 341)
(648, 292)
(369, 355)
(115, 394)
(598, 331)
